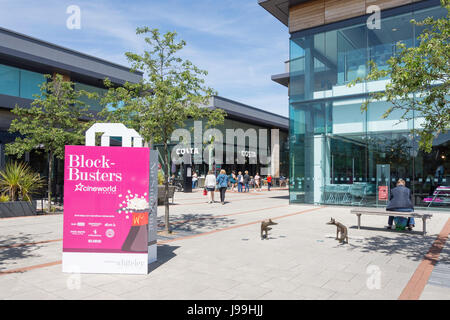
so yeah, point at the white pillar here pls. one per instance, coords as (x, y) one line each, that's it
(275, 153)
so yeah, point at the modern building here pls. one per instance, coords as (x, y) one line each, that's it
(338, 154)
(25, 60)
(250, 139)
(23, 63)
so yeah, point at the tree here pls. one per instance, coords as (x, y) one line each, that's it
(171, 92)
(55, 119)
(419, 79)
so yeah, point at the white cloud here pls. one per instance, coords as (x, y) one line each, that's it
(239, 43)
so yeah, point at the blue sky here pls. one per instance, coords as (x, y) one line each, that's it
(236, 41)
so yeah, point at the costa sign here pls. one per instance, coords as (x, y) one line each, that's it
(181, 151)
(248, 154)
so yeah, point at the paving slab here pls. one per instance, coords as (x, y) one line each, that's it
(216, 253)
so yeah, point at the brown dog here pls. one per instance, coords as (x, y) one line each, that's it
(340, 229)
(265, 228)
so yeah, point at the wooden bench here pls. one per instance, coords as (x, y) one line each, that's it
(420, 214)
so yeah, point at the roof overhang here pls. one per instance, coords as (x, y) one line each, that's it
(282, 78)
(46, 57)
(279, 8)
(242, 112)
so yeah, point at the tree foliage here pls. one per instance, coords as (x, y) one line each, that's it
(419, 83)
(52, 121)
(172, 91)
(55, 119)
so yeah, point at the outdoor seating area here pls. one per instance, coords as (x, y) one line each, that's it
(440, 196)
(424, 215)
(352, 194)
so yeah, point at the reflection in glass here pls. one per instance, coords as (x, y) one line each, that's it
(340, 155)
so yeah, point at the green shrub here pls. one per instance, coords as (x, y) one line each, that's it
(4, 198)
(17, 180)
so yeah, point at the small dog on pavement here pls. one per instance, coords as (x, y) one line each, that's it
(265, 228)
(340, 229)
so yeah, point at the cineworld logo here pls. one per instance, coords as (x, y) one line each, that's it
(82, 188)
(241, 146)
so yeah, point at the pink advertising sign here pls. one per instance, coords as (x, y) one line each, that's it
(106, 200)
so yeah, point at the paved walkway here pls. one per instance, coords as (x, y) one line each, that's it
(216, 253)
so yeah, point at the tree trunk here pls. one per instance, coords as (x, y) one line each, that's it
(166, 189)
(50, 173)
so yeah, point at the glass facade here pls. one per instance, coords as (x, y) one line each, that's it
(340, 155)
(19, 82)
(23, 83)
(252, 143)
(94, 104)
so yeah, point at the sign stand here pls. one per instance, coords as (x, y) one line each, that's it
(383, 183)
(110, 203)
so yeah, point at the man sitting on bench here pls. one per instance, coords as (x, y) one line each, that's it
(400, 201)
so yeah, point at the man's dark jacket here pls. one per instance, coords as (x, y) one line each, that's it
(400, 199)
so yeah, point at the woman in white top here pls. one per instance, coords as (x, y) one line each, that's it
(210, 185)
(194, 180)
(257, 182)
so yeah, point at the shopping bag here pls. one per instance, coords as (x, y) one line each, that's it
(205, 192)
(400, 223)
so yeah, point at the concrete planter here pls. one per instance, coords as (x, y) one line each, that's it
(17, 209)
(161, 193)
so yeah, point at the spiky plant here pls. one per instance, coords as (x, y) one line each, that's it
(18, 179)
(30, 184)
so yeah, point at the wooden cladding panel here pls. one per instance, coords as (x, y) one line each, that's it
(336, 10)
(386, 4)
(318, 12)
(307, 15)
(64, 76)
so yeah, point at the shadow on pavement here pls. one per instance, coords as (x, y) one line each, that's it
(409, 245)
(192, 222)
(14, 249)
(165, 253)
(415, 231)
(280, 197)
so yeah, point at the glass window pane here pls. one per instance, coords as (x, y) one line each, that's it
(29, 83)
(383, 42)
(432, 174)
(94, 104)
(436, 13)
(351, 53)
(9, 80)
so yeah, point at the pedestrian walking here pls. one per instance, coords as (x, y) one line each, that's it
(283, 181)
(222, 182)
(194, 180)
(269, 181)
(210, 185)
(240, 179)
(233, 180)
(258, 182)
(246, 181)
